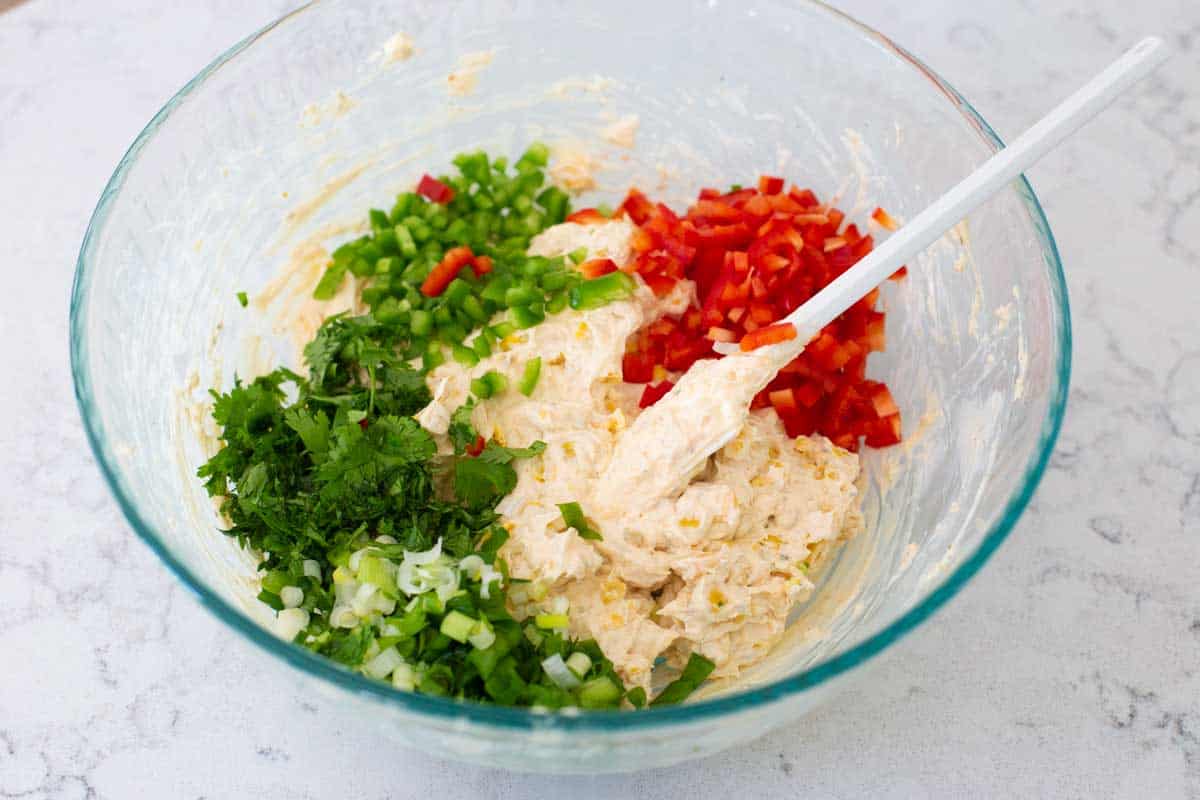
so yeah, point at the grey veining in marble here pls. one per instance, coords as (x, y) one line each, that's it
(1068, 668)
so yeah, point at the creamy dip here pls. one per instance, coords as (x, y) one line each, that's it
(714, 565)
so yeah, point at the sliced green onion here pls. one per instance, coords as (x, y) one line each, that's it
(243, 299)
(482, 636)
(382, 665)
(432, 604)
(529, 378)
(696, 671)
(550, 621)
(377, 572)
(458, 626)
(404, 677)
(275, 580)
(534, 636)
(559, 673)
(599, 692)
(434, 357)
(578, 255)
(579, 663)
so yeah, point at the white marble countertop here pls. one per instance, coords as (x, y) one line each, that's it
(1068, 668)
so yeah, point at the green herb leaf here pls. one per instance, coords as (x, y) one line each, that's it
(480, 484)
(572, 514)
(694, 673)
(498, 454)
(462, 431)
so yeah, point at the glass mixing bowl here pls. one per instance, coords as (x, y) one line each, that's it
(288, 138)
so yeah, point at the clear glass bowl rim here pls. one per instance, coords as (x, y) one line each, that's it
(514, 718)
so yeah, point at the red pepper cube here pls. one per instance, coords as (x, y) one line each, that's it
(587, 216)
(597, 267)
(433, 189)
(482, 265)
(446, 270)
(769, 184)
(654, 392)
(772, 334)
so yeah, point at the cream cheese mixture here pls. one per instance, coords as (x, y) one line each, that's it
(713, 566)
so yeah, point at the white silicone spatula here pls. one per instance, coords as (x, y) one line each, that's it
(709, 405)
(994, 175)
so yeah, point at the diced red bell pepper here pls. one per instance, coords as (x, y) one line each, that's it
(808, 393)
(876, 335)
(715, 212)
(885, 219)
(716, 334)
(883, 432)
(476, 447)
(881, 400)
(654, 392)
(682, 352)
(661, 285)
(482, 265)
(756, 255)
(835, 218)
(636, 206)
(597, 267)
(758, 206)
(637, 368)
(446, 270)
(804, 197)
(769, 184)
(784, 401)
(433, 189)
(772, 334)
(587, 216)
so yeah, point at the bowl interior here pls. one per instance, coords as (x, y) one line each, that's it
(280, 148)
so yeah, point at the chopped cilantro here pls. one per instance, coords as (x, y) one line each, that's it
(333, 483)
